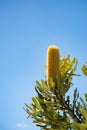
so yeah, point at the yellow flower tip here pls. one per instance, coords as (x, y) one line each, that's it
(53, 58)
(52, 48)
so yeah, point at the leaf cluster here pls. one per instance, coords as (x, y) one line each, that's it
(51, 109)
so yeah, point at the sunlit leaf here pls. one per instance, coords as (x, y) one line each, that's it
(84, 69)
(36, 104)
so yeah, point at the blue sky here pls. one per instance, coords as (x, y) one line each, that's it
(27, 28)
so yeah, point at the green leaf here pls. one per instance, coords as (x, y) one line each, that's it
(74, 62)
(37, 103)
(28, 107)
(44, 84)
(75, 94)
(84, 69)
(38, 83)
(82, 101)
(86, 97)
(84, 113)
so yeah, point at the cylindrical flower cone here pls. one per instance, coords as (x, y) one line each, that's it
(53, 58)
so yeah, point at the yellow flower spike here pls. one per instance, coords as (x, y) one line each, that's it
(53, 58)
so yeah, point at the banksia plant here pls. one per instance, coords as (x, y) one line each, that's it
(51, 108)
(53, 59)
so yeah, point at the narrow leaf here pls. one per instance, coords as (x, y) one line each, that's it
(84, 69)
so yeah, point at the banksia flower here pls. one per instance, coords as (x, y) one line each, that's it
(53, 58)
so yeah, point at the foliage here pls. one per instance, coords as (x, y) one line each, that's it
(51, 109)
(84, 69)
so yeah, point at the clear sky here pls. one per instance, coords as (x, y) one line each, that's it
(27, 28)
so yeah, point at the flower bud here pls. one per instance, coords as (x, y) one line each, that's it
(53, 58)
